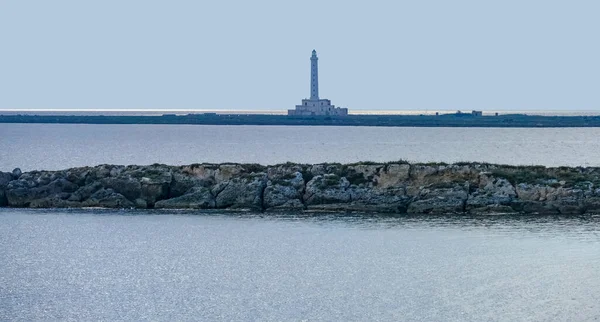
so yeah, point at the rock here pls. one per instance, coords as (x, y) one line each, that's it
(369, 187)
(390, 200)
(5, 178)
(20, 193)
(181, 183)
(155, 185)
(77, 175)
(142, 204)
(282, 171)
(16, 173)
(592, 205)
(362, 174)
(392, 175)
(491, 191)
(327, 189)
(216, 173)
(197, 198)
(107, 198)
(534, 207)
(241, 193)
(129, 187)
(284, 191)
(439, 201)
(85, 192)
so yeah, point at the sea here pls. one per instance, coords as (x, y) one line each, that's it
(152, 265)
(61, 146)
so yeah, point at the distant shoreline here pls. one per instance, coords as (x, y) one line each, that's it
(442, 120)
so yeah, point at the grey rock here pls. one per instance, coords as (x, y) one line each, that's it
(440, 201)
(390, 200)
(129, 187)
(19, 193)
(108, 198)
(241, 193)
(181, 183)
(369, 187)
(85, 192)
(155, 187)
(284, 191)
(16, 173)
(491, 191)
(327, 189)
(392, 175)
(5, 178)
(196, 198)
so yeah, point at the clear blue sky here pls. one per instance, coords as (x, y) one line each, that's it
(490, 55)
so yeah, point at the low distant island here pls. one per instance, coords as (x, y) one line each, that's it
(442, 120)
(395, 187)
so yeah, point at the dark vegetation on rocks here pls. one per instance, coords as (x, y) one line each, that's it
(393, 187)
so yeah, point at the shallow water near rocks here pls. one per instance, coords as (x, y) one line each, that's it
(183, 265)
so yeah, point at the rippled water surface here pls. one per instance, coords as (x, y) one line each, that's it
(170, 266)
(59, 146)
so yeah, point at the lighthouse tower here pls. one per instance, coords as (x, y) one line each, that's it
(314, 105)
(314, 76)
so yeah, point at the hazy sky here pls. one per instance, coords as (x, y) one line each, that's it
(490, 55)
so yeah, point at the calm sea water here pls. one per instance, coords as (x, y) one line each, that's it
(109, 265)
(83, 265)
(59, 146)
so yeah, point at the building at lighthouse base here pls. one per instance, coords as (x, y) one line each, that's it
(318, 107)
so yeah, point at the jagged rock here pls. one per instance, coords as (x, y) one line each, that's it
(284, 191)
(85, 192)
(214, 172)
(491, 191)
(196, 198)
(108, 198)
(392, 175)
(130, 188)
(591, 204)
(530, 192)
(5, 178)
(362, 174)
(241, 193)
(16, 173)
(327, 189)
(440, 200)
(19, 193)
(181, 183)
(391, 200)
(155, 185)
(283, 171)
(77, 175)
(394, 187)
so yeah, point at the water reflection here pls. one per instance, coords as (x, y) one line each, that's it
(581, 227)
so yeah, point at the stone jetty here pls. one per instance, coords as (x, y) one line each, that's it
(394, 187)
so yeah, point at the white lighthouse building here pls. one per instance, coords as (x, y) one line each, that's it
(314, 105)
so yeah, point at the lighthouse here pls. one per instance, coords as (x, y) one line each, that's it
(314, 105)
(314, 76)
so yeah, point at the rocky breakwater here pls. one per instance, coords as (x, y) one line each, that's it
(396, 187)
